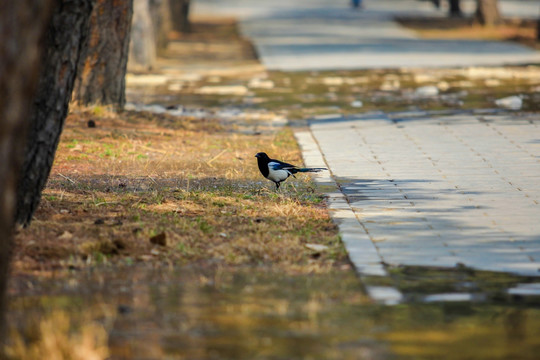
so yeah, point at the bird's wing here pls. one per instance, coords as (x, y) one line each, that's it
(280, 165)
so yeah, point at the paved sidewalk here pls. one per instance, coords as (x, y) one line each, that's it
(329, 35)
(437, 191)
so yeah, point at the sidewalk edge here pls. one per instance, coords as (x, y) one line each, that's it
(360, 249)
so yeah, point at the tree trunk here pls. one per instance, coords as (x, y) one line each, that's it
(180, 15)
(487, 12)
(102, 68)
(161, 20)
(538, 29)
(22, 26)
(142, 48)
(455, 8)
(66, 37)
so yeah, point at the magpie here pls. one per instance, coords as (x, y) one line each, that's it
(278, 171)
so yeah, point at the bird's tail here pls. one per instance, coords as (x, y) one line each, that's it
(310, 169)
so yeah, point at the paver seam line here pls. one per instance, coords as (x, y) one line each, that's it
(420, 148)
(478, 154)
(487, 161)
(467, 145)
(500, 133)
(362, 137)
(369, 262)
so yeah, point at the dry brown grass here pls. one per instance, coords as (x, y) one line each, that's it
(57, 336)
(164, 190)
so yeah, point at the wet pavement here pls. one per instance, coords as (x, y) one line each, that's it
(254, 313)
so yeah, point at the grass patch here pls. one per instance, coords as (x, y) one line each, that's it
(190, 181)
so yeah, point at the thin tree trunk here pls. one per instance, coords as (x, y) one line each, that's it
(161, 19)
(66, 36)
(487, 12)
(22, 26)
(455, 8)
(142, 48)
(538, 29)
(180, 15)
(102, 69)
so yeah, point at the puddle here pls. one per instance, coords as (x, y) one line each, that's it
(252, 313)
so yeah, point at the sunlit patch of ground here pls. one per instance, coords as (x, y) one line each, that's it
(153, 188)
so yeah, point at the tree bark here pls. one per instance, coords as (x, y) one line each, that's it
(161, 19)
(102, 68)
(180, 15)
(538, 29)
(66, 37)
(142, 48)
(487, 12)
(22, 26)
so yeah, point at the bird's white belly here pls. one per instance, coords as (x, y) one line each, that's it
(278, 175)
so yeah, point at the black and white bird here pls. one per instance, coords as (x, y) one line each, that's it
(278, 171)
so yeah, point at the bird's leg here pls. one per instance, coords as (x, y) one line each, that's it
(277, 186)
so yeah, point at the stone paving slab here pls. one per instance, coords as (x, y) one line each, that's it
(438, 191)
(360, 247)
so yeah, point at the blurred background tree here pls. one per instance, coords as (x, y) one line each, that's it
(160, 13)
(487, 12)
(102, 64)
(538, 28)
(180, 15)
(152, 22)
(142, 47)
(455, 8)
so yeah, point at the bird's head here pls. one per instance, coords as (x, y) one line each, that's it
(261, 155)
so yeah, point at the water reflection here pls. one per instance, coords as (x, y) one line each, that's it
(255, 314)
